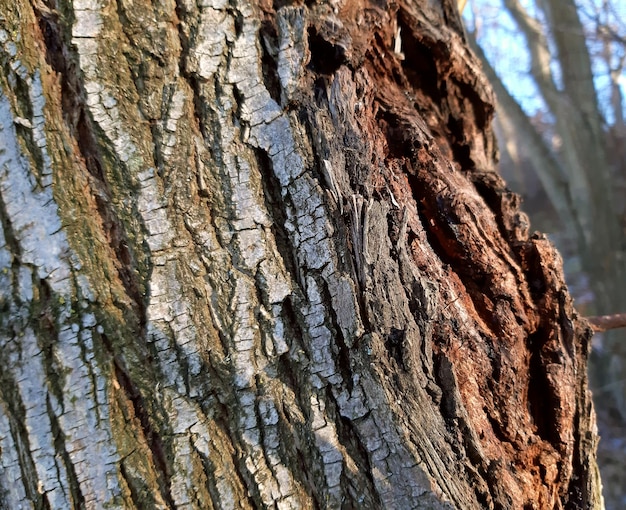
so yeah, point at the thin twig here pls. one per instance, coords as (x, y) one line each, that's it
(606, 322)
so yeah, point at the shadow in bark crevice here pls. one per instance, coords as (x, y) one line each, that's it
(77, 497)
(64, 60)
(269, 53)
(326, 57)
(420, 61)
(349, 437)
(156, 444)
(540, 405)
(276, 205)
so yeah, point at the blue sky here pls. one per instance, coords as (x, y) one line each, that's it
(506, 48)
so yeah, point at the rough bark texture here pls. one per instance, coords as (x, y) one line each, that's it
(582, 176)
(256, 256)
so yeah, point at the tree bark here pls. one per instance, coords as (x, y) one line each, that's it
(257, 256)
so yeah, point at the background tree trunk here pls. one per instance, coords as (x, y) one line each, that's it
(257, 256)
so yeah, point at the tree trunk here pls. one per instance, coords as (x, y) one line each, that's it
(582, 176)
(256, 256)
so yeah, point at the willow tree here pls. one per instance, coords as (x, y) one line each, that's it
(256, 256)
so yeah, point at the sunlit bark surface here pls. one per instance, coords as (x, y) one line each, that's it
(256, 256)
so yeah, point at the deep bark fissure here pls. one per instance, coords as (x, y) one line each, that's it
(441, 83)
(65, 62)
(201, 106)
(482, 112)
(48, 329)
(209, 471)
(13, 247)
(185, 40)
(132, 483)
(498, 426)
(305, 467)
(394, 343)
(16, 416)
(319, 94)
(58, 55)
(157, 154)
(362, 497)
(226, 421)
(342, 351)
(310, 459)
(26, 134)
(247, 476)
(446, 380)
(238, 17)
(536, 388)
(401, 147)
(277, 207)
(291, 366)
(350, 437)
(502, 203)
(434, 219)
(61, 448)
(293, 450)
(158, 447)
(268, 41)
(445, 230)
(237, 118)
(461, 150)
(262, 432)
(23, 108)
(464, 107)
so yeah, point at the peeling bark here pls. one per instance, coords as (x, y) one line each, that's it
(257, 256)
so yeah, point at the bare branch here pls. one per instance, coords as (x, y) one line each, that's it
(605, 322)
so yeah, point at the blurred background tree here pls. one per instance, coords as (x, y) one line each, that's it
(557, 67)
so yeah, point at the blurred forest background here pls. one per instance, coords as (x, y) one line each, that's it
(557, 67)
